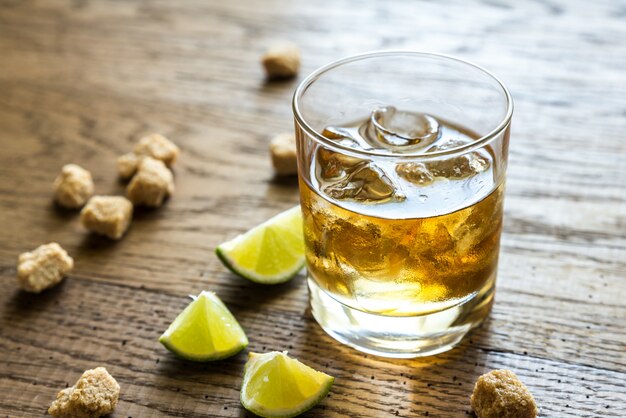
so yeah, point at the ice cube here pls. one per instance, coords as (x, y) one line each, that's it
(345, 177)
(461, 167)
(448, 144)
(333, 165)
(389, 127)
(415, 173)
(363, 182)
(339, 135)
(455, 168)
(348, 137)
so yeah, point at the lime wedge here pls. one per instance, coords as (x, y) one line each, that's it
(204, 331)
(270, 253)
(276, 386)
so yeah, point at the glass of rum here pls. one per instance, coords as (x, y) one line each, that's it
(402, 159)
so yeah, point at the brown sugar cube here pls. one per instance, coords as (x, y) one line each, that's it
(500, 394)
(73, 186)
(127, 165)
(152, 183)
(284, 154)
(43, 267)
(158, 147)
(95, 394)
(107, 215)
(281, 61)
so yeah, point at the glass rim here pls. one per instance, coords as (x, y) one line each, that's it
(344, 149)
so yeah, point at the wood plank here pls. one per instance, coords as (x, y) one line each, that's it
(118, 325)
(82, 80)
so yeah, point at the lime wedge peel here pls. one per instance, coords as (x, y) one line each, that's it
(277, 386)
(205, 331)
(270, 253)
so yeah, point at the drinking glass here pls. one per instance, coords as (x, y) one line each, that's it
(401, 166)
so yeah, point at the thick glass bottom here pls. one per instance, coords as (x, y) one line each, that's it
(399, 337)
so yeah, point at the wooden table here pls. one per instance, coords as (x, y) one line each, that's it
(82, 80)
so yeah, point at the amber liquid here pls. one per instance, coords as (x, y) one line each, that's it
(404, 265)
(401, 267)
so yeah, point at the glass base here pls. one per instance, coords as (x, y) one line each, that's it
(399, 337)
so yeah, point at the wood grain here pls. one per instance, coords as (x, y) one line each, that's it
(82, 80)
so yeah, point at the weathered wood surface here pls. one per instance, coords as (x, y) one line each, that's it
(81, 80)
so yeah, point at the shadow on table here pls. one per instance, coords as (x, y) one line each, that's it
(212, 382)
(450, 373)
(247, 295)
(279, 86)
(286, 182)
(143, 213)
(173, 368)
(94, 245)
(62, 213)
(25, 306)
(422, 381)
(143, 219)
